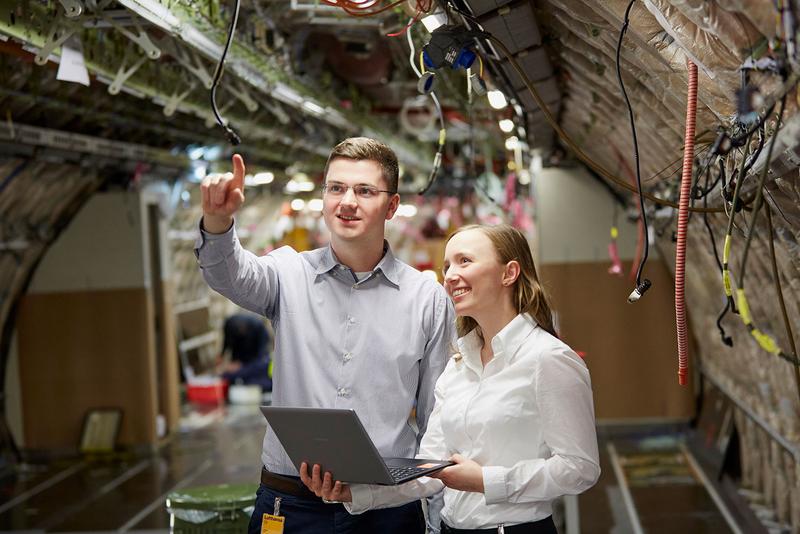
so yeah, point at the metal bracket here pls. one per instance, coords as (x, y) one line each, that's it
(174, 100)
(276, 109)
(141, 38)
(123, 74)
(56, 35)
(242, 94)
(73, 8)
(193, 64)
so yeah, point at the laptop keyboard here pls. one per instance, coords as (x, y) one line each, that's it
(399, 473)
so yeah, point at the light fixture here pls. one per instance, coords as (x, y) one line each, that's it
(313, 107)
(261, 178)
(286, 94)
(512, 143)
(506, 125)
(497, 99)
(406, 210)
(315, 204)
(298, 204)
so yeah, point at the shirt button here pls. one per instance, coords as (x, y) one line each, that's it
(350, 320)
(348, 356)
(343, 392)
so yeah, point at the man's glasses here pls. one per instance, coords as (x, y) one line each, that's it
(338, 189)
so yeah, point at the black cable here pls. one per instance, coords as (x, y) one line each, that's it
(232, 136)
(437, 159)
(787, 325)
(759, 199)
(724, 337)
(641, 286)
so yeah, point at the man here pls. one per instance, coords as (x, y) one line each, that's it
(354, 327)
(247, 342)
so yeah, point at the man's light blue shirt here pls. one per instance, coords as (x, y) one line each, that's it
(373, 345)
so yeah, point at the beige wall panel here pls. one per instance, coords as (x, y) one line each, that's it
(86, 350)
(630, 348)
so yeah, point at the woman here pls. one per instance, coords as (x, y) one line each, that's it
(513, 407)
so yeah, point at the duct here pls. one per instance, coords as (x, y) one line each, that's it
(480, 7)
(515, 26)
(736, 32)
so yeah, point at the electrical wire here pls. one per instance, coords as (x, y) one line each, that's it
(641, 286)
(787, 325)
(591, 163)
(764, 340)
(437, 159)
(233, 137)
(726, 247)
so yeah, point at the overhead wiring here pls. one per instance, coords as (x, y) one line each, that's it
(764, 340)
(641, 285)
(590, 162)
(437, 159)
(231, 134)
(787, 325)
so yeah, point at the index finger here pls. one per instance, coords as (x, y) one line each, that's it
(238, 171)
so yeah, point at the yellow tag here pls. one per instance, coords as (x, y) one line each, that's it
(272, 524)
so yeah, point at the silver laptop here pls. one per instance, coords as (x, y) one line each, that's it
(337, 441)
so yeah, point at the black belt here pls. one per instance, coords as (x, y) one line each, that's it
(287, 484)
(543, 526)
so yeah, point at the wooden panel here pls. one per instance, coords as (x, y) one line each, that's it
(169, 382)
(83, 350)
(630, 348)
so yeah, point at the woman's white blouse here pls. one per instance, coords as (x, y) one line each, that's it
(527, 417)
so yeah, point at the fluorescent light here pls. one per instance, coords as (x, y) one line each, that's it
(406, 210)
(313, 107)
(315, 204)
(524, 177)
(298, 204)
(286, 94)
(497, 99)
(263, 178)
(512, 142)
(506, 125)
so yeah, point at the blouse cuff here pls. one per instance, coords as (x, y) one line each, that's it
(494, 484)
(362, 499)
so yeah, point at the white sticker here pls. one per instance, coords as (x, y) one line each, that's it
(72, 67)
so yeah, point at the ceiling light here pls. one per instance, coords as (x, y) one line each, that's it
(313, 107)
(261, 178)
(497, 99)
(315, 204)
(512, 143)
(298, 204)
(506, 125)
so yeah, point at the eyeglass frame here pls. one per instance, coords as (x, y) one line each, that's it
(353, 187)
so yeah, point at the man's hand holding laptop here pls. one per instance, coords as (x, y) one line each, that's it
(466, 475)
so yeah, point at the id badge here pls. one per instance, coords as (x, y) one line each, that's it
(272, 524)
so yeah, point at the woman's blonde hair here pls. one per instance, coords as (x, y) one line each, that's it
(529, 295)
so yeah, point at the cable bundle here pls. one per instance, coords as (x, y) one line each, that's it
(365, 8)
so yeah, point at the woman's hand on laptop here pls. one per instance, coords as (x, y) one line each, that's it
(466, 475)
(324, 486)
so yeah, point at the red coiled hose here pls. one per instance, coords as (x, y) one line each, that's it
(683, 223)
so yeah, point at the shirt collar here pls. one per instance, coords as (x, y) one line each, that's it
(505, 343)
(508, 340)
(388, 265)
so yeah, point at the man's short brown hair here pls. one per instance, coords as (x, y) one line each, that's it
(364, 148)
